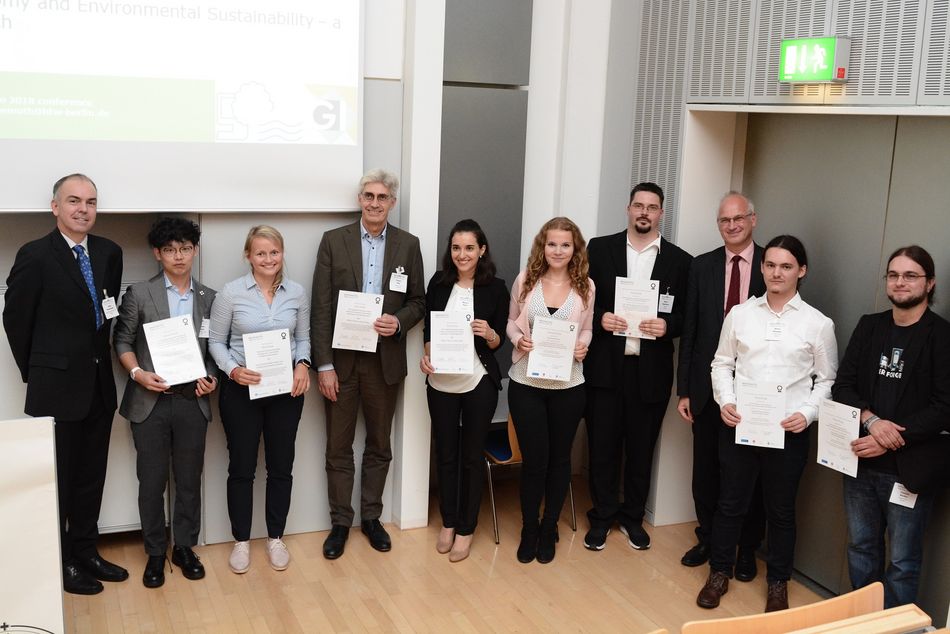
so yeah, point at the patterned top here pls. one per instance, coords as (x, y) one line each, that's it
(536, 306)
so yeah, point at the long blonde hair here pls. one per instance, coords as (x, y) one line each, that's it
(270, 233)
(577, 268)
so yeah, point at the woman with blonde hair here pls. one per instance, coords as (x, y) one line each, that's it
(546, 412)
(262, 300)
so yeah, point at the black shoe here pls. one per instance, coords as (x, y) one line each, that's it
(596, 538)
(336, 541)
(378, 537)
(528, 548)
(745, 565)
(102, 569)
(546, 541)
(190, 564)
(697, 555)
(77, 581)
(636, 536)
(154, 575)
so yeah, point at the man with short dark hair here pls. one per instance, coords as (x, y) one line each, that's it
(896, 369)
(60, 298)
(168, 421)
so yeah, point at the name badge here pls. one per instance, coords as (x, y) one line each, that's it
(108, 307)
(900, 495)
(205, 329)
(774, 330)
(666, 304)
(399, 281)
(464, 302)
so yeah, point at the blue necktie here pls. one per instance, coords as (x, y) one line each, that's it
(86, 267)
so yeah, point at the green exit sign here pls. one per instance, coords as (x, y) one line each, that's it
(814, 60)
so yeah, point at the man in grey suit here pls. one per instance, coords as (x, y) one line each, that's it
(167, 420)
(369, 256)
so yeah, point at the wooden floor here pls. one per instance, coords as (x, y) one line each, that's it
(415, 589)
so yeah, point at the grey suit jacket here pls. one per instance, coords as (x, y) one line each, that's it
(340, 267)
(142, 303)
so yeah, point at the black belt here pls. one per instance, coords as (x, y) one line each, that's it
(185, 390)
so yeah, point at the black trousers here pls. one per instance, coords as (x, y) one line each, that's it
(244, 420)
(780, 471)
(545, 422)
(622, 429)
(175, 429)
(460, 423)
(706, 427)
(82, 451)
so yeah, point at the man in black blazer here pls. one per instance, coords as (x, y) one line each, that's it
(896, 370)
(629, 379)
(718, 280)
(58, 323)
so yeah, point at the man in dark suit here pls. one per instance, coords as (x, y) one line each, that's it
(168, 421)
(57, 322)
(718, 280)
(369, 256)
(629, 379)
(896, 370)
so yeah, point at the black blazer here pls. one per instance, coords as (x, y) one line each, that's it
(923, 401)
(491, 304)
(49, 321)
(703, 319)
(604, 361)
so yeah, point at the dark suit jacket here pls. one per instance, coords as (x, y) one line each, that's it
(603, 365)
(923, 401)
(340, 267)
(51, 326)
(702, 322)
(491, 304)
(147, 302)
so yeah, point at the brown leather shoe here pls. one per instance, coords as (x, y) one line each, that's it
(777, 596)
(716, 586)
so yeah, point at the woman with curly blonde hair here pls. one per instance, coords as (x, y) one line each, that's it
(546, 412)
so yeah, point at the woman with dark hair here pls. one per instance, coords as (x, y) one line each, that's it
(461, 405)
(546, 412)
(781, 341)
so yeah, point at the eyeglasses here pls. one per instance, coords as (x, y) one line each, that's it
(368, 197)
(739, 220)
(910, 277)
(172, 251)
(640, 207)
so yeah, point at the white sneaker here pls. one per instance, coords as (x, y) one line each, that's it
(240, 559)
(278, 554)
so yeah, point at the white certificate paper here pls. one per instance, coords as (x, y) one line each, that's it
(762, 408)
(553, 354)
(452, 344)
(355, 314)
(838, 425)
(174, 349)
(268, 352)
(635, 300)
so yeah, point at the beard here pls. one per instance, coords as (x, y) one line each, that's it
(911, 302)
(643, 230)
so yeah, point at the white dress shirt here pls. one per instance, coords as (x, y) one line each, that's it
(806, 348)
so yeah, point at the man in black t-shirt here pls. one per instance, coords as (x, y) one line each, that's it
(896, 369)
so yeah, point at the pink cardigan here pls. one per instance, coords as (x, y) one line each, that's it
(518, 316)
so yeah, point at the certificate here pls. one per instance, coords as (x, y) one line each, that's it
(355, 314)
(762, 408)
(452, 344)
(838, 425)
(268, 352)
(635, 300)
(174, 349)
(553, 354)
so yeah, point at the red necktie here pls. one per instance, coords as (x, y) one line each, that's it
(732, 298)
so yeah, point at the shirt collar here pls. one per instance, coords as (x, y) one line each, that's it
(364, 233)
(250, 282)
(656, 243)
(745, 254)
(71, 244)
(795, 302)
(168, 283)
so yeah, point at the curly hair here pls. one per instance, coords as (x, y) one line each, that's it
(577, 268)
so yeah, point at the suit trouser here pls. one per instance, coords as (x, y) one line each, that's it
(244, 420)
(365, 386)
(622, 428)
(706, 425)
(82, 451)
(176, 428)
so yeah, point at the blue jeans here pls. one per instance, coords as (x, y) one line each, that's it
(869, 514)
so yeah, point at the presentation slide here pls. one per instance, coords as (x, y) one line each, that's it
(252, 94)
